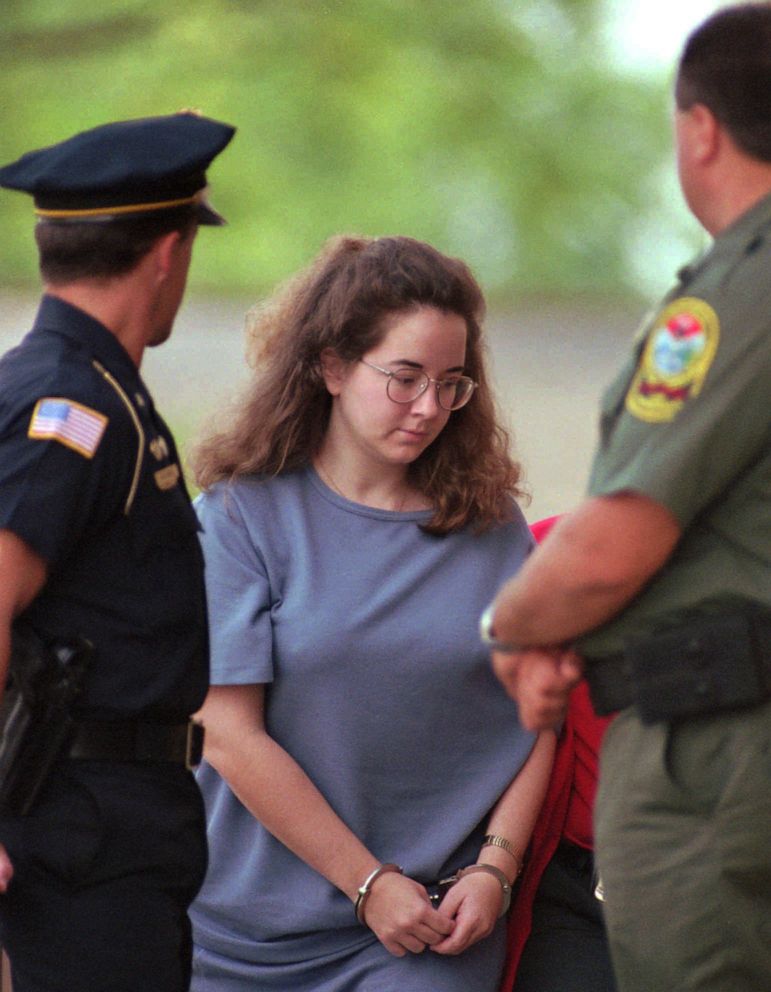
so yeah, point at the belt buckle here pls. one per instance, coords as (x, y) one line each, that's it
(193, 745)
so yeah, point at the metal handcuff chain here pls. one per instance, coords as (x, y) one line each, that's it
(365, 889)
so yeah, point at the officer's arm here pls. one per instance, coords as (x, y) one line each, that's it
(594, 561)
(22, 574)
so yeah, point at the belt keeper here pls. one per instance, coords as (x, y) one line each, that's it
(366, 887)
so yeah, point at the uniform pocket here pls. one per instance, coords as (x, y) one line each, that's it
(64, 833)
(160, 521)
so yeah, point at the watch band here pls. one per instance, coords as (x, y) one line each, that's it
(495, 840)
(488, 637)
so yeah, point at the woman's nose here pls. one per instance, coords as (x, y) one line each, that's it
(427, 404)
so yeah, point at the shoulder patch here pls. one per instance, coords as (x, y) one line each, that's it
(675, 360)
(75, 426)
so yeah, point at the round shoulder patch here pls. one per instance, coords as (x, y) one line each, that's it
(676, 357)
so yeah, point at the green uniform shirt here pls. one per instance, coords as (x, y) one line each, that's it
(687, 424)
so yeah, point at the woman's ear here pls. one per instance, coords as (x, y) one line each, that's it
(333, 370)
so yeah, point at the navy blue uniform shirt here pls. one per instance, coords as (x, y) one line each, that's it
(90, 480)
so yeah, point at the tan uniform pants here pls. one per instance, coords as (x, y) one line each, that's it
(683, 835)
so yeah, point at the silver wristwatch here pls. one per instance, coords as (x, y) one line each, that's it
(487, 634)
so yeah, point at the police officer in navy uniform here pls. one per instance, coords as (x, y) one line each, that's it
(663, 575)
(98, 541)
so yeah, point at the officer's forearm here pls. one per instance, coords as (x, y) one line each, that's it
(545, 608)
(593, 562)
(22, 574)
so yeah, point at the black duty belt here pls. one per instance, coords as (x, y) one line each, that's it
(611, 684)
(136, 740)
(696, 667)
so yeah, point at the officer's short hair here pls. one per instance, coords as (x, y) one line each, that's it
(69, 252)
(726, 65)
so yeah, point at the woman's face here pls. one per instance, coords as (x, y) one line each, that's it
(365, 419)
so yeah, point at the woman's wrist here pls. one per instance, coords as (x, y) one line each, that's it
(365, 889)
(487, 869)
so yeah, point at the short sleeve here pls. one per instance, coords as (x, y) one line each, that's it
(686, 460)
(56, 489)
(237, 592)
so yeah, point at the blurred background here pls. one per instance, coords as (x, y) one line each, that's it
(529, 137)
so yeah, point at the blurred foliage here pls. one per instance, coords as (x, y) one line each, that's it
(494, 129)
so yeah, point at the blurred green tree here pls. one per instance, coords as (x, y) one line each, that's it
(494, 129)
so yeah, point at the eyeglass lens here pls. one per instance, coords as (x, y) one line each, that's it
(406, 385)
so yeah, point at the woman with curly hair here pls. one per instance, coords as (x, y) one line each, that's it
(370, 792)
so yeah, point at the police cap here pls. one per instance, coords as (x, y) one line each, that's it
(123, 169)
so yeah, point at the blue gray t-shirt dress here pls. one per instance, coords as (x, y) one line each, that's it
(365, 629)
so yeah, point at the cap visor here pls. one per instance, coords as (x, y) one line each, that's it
(208, 216)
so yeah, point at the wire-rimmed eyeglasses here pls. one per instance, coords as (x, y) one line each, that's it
(406, 385)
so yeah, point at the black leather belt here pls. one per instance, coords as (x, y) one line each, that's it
(135, 740)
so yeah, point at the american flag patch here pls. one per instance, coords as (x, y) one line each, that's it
(73, 425)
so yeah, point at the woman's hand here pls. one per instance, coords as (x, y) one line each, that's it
(400, 914)
(474, 903)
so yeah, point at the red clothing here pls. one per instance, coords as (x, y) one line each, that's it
(566, 813)
(588, 731)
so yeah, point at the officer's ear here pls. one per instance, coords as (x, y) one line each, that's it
(164, 252)
(704, 133)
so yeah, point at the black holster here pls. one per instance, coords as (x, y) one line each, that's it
(36, 723)
(693, 666)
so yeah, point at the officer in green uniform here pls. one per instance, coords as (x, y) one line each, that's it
(661, 579)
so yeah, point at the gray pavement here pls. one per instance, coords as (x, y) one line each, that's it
(550, 362)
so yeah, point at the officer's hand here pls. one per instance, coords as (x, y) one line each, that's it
(6, 870)
(540, 680)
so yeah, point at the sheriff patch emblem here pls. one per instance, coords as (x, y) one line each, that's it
(675, 360)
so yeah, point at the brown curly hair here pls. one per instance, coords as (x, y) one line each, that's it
(341, 302)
